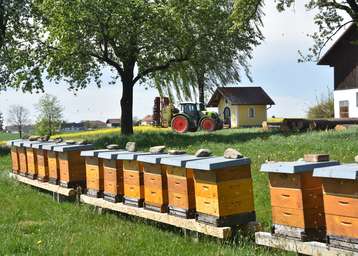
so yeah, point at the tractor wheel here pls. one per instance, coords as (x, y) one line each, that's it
(180, 124)
(208, 124)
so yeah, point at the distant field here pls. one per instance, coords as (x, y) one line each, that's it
(31, 223)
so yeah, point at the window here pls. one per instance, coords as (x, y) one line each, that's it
(344, 109)
(252, 112)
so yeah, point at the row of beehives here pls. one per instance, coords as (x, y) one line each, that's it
(315, 199)
(215, 190)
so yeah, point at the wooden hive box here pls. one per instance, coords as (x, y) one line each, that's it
(15, 161)
(94, 172)
(42, 161)
(340, 194)
(223, 191)
(112, 176)
(22, 157)
(53, 162)
(31, 155)
(133, 179)
(155, 181)
(181, 189)
(297, 199)
(72, 165)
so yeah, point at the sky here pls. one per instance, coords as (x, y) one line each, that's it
(293, 86)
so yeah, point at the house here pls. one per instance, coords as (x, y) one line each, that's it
(112, 123)
(241, 106)
(72, 127)
(343, 57)
(147, 120)
(94, 125)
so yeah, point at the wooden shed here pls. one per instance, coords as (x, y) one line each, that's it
(343, 57)
(241, 106)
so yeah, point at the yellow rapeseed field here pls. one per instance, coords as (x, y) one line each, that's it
(103, 132)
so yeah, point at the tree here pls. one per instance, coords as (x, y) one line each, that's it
(330, 19)
(20, 54)
(324, 107)
(218, 57)
(18, 116)
(135, 38)
(1, 122)
(50, 118)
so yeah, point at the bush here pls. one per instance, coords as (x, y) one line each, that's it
(324, 107)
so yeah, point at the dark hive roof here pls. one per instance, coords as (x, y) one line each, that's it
(241, 96)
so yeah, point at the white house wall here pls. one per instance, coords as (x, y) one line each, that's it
(346, 95)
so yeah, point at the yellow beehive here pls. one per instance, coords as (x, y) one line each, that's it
(15, 160)
(72, 165)
(223, 191)
(340, 195)
(296, 199)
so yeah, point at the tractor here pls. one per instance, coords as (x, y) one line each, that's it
(191, 118)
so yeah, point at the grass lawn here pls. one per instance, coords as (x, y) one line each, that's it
(7, 136)
(31, 223)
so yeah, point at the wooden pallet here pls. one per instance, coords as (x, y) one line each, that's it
(59, 194)
(303, 248)
(186, 224)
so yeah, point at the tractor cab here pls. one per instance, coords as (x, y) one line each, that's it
(191, 109)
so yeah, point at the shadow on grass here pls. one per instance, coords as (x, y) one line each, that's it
(171, 139)
(4, 150)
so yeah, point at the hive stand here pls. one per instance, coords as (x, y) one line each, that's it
(181, 188)
(300, 247)
(164, 218)
(53, 162)
(72, 165)
(297, 199)
(340, 193)
(59, 194)
(223, 191)
(112, 176)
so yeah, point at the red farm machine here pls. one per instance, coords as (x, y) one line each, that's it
(188, 118)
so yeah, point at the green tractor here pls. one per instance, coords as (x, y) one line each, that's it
(190, 118)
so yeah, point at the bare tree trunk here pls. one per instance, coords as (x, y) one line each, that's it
(20, 131)
(127, 108)
(201, 89)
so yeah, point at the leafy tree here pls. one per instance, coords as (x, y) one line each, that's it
(330, 19)
(20, 55)
(18, 116)
(219, 56)
(50, 118)
(324, 107)
(134, 38)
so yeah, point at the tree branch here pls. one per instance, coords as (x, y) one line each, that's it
(164, 66)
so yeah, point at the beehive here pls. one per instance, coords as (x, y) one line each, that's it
(15, 161)
(155, 181)
(181, 192)
(113, 176)
(133, 179)
(31, 155)
(53, 162)
(72, 165)
(297, 199)
(223, 191)
(340, 194)
(42, 161)
(94, 172)
(22, 157)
